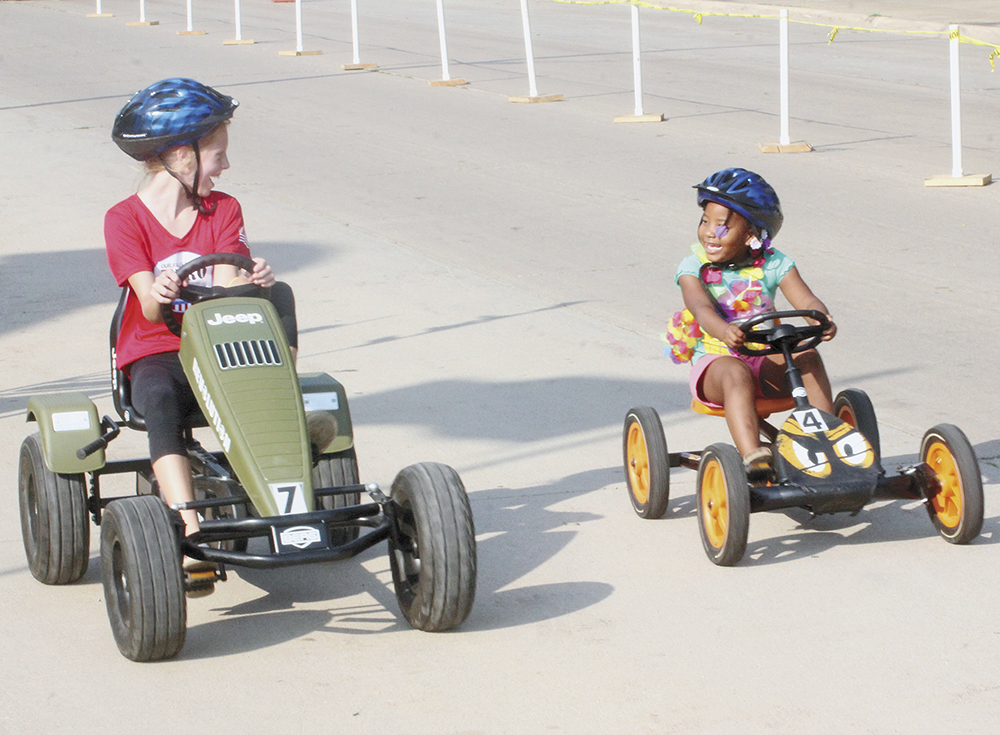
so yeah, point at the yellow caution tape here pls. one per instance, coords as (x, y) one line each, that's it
(699, 15)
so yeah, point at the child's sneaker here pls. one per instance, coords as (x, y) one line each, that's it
(759, 465)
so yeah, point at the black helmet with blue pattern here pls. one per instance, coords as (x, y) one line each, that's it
(746, 193)
(168, 113)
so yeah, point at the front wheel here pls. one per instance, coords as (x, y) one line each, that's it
(331, 471)
(723, 504)
(956, 509)
(432, 550)
(647, 463)
(854, 407)
(143, 581)
(55, 527)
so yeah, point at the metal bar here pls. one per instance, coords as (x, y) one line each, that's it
(275, 561)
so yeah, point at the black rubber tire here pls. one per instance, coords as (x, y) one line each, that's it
(338, 469)
(855, 407)
(55, 525)
(723, 504)
(433, 559)
(647, 463)
(143, 580)
(957, 511)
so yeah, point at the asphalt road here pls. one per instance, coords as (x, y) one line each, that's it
(488, 280)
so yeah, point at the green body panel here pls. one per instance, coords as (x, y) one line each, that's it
(237, 360)
(67, 422)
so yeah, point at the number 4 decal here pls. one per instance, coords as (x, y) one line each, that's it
(289, 497)
(811, 421)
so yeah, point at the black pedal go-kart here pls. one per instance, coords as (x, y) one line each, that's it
(269, 499)
(823, 463)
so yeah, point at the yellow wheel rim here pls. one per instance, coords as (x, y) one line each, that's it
(948, 502)
(638, 464)
(714, 506)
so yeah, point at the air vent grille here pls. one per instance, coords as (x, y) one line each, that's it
(247, 353)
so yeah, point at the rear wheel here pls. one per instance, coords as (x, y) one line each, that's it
(55, 527)
(853, 406)
(432, 550)
(333, 470)
(723, 504)
(143, 581)
(957, 508)
(647, 464)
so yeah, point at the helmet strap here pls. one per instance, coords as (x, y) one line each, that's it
(192, 194)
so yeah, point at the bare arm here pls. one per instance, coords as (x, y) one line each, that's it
(703, 310)
(801, 297)
(152, 292)
(230, 275)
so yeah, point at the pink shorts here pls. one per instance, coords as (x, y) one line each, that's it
(698, 371)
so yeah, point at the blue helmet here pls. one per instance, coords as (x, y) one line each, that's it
(746, 193)
(170, 112)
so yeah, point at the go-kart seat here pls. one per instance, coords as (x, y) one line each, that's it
(121, 385)
(765, 407)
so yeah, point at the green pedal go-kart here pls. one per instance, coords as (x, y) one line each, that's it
(823, 463)
(267, 483)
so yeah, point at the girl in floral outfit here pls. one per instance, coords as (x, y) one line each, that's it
(733, 275)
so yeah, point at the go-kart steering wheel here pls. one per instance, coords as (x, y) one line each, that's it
(197, 294)
(799, 338)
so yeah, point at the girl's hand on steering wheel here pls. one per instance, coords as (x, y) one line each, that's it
(166, 287)
(831, 332)
(262, 274)
(734, 337)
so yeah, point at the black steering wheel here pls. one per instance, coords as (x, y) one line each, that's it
(197, 294)
(799, 338)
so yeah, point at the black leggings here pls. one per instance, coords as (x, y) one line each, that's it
(161, 393)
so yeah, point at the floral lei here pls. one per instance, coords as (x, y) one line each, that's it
(742, 299)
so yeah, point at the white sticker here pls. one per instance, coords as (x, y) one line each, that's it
(811, 420)
(300, 536)
(320, 401)
(289, 497)
(71, 421)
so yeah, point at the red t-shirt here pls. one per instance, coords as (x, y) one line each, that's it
(136, 242)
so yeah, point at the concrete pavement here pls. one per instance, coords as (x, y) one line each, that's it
(488, 280)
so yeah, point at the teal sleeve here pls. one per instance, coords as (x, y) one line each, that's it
(776, 268)
(690, 266)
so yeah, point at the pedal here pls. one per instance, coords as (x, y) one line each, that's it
(200, 577)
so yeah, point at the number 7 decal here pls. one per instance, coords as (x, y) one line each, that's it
(289, 497)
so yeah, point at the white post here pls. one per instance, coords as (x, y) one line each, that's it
(636, 60)
(98, 11)
(239, 20)
(529, 52)
(354, 31)
(142, 11)
(444, 41)
(956, 107)
(190, 26)
(298, 26)
(783, 45)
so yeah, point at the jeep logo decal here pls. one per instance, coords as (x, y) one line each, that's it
(254, 318)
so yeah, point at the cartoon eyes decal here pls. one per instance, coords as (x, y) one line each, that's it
(811, 452)
(854, 450)
(808, 459)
